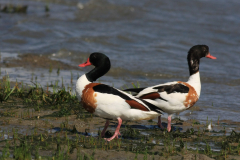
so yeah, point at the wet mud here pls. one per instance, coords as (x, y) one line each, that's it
(39, 124)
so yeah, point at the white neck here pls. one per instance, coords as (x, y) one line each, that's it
(81, 83)
(195, 82)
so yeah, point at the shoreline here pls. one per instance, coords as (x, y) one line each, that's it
(52, 123)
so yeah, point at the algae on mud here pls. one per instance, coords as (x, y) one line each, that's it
(40, 124)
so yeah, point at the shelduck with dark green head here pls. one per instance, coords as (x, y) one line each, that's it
(177, 96)
(108, 102)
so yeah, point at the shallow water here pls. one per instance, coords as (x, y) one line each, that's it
(147, 41)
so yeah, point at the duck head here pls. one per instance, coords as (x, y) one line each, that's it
(195, 54)
(102, 65)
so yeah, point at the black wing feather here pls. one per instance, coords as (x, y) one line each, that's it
(137, 90)
(102, 88)
(173, 88)
(152, 107)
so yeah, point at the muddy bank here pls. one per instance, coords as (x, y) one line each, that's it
(71, 135)
(43, 124)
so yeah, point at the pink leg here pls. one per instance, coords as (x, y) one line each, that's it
(117, 130)
(169, 123)
(105, 128)
(160, 122)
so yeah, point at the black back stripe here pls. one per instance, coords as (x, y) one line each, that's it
(137, 90)
(102, 88)
(173, 88)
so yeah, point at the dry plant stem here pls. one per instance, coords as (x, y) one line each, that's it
(116, 131)
(160, 122)
(105, 128)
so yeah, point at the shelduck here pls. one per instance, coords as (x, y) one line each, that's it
(108, 102)
(177, 96)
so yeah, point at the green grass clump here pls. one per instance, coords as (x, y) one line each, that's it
(6, 90)
(22, 151)
(38, 98)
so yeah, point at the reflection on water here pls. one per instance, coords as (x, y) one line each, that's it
(147, 41)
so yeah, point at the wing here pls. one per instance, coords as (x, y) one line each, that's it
(165, 92)
(134, 102)
(173, 88)
(174, 93)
